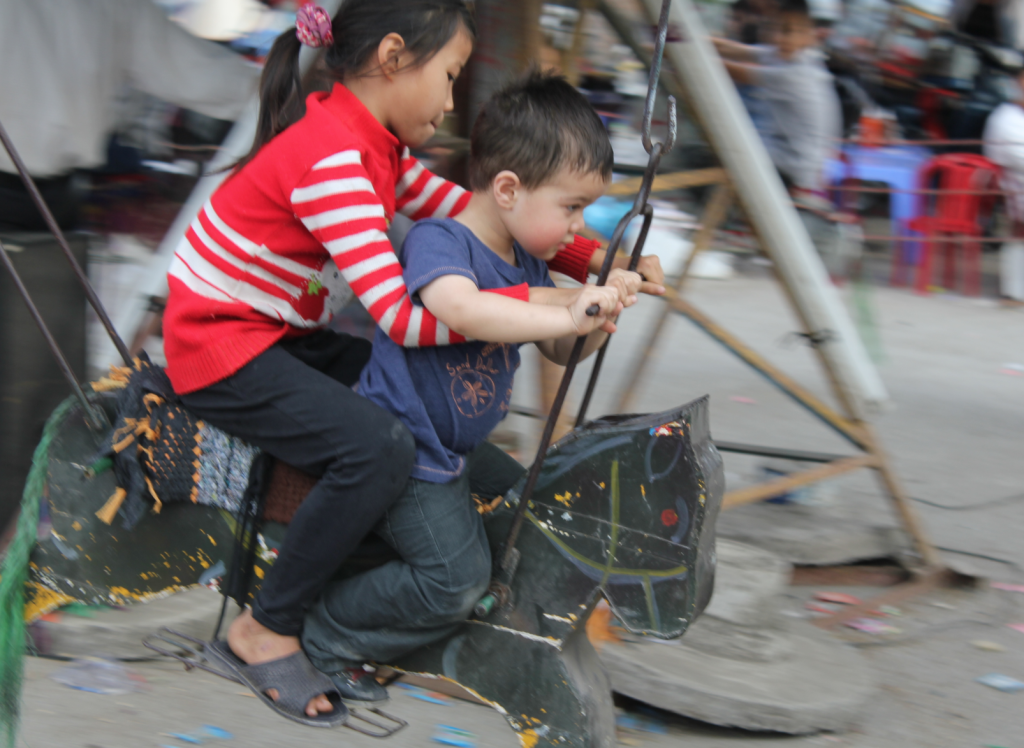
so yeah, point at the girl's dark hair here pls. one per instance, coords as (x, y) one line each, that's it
(358, 28)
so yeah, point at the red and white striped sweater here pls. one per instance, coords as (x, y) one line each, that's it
(270, 253)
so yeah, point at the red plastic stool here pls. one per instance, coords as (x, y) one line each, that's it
(951, 218)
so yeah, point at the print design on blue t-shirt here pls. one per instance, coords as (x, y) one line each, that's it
(450, 397)
(473, 389)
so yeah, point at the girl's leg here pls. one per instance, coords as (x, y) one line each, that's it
(311, 421)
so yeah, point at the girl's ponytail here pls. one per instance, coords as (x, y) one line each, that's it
(281, 99)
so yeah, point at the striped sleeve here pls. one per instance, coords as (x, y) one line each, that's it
(420, 194)
(336, 202)
(574, 259)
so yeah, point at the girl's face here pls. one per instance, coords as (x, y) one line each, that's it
(423, 94)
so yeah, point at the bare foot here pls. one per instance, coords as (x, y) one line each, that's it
(254, 643)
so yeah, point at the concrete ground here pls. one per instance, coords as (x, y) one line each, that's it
(955, 432)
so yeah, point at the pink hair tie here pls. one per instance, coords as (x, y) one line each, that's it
(313, 26)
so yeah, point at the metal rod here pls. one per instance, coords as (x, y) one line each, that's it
(787, 483)
(851, 430)
(675, 181)
(714, 213)
(538, 462)
(44, 209)
(592, 383)
(641, 239)
(91, 414)
(652, 80)
(797, 455)
(656, 150)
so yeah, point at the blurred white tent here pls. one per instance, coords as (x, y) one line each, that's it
(224, 20)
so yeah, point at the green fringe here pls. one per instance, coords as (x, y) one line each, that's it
(14, 574)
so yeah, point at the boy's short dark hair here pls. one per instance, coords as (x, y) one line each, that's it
(794, 7)
(533, 127)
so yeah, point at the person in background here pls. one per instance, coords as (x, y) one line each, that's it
(1004, 144)
(799, 117)
(63, 64)
(747, 20)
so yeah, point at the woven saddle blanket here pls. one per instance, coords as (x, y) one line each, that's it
(163, 454)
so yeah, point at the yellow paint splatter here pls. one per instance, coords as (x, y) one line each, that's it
(211, 538)
(601, 484)
(76, 525)
(528, 738)
(565, 499)
(43, 601)
(642, 491)
(259, 571)
(703, 499)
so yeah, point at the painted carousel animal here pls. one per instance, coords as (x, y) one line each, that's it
(624, 509)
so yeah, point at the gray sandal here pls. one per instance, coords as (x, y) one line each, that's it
(296, 680)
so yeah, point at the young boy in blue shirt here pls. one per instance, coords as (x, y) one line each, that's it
(539, 154)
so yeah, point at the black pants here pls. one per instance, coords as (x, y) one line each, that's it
(294, 402)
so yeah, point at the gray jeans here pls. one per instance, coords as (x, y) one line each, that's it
(444, 569)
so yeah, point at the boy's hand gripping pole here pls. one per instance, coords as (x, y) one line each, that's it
(499, 592)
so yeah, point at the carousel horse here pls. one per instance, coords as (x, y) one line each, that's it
(624, 509)
(621, 509)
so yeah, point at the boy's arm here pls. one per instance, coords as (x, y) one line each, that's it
(742, 73)
(735, 51)
(458, 303)
(627, 283)
(559, 349)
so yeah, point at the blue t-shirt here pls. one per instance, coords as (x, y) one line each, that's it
(450, 397)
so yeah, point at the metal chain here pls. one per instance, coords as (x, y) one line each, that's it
(509, 554)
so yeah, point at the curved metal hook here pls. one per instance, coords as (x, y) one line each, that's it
(652, 87)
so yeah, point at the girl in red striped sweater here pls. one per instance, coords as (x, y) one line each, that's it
(272, 255)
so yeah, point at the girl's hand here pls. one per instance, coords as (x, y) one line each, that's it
(607, 300)
(628, 284)
(649, 267)
(654, 277)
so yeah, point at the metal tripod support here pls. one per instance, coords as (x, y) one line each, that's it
(697, 77)
(508, 556)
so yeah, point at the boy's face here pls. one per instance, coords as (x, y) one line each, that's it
(793, 34)
(544, 219)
